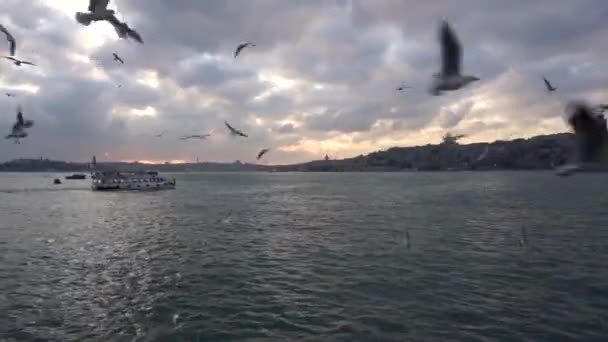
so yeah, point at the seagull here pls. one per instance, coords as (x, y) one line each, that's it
(10, 38)
(195, 136)
(241, 47)
(591, 135)
(484, 154)
(403, 87)
(98, 12)
(160, 135)
(234, 131)
(117, 58)
(18, 62)
(263, 152)
(19, 127)
(10, 94)
(226, 218)
(523, 239)
(549, 86)
(451, 56)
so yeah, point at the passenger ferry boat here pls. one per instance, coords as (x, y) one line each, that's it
(128, 181)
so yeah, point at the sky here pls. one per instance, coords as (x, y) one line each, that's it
(321, 79)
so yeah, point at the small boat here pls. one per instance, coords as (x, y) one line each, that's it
(57, 181)
(130, 181)
(76, 176)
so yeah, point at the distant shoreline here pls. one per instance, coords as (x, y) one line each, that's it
(540, 153)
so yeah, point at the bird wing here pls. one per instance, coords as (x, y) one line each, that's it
(262, 152)
(133, 34)
(10, 38)
(28, 123)
(239, 48)
(451, 51)
(230, 127)
(548, 84)
(119, 27)
(29, 63)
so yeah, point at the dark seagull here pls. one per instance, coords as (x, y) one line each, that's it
(117, 58)
(241, 46)
(160, 135)
(234, 131)
(195, 136)
(263, 152)
(17, 61)
(98, 11)
(591, 134)
(450, 77)
(549, 86)
(18, 131)
(11, 40)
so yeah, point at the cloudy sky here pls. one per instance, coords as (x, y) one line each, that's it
(321, 79)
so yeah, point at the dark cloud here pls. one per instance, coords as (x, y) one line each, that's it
(321, 70)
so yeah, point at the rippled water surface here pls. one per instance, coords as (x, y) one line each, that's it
(302, 256)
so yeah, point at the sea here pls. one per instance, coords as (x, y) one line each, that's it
(445, 256)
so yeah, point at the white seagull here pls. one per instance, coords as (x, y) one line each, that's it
(591, 135)
(234, 131)
(451, 58)
(11, 40)
(241, 46)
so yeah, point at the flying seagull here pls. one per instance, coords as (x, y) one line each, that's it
(117, 58)
(11, 40)
(549, 86)
(591, 134)
(484, 154)
(241, 46)
(18, 62)
(98, 11)
(263, 152)
(10, 94)
(403, 87)
(195, 136)
(234, 131)
(160, 135)
(18, 131)
(451, 58)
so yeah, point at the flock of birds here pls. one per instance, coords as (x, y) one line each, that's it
(587, 122)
